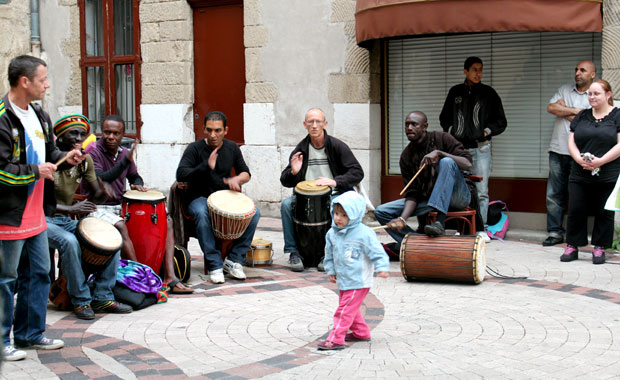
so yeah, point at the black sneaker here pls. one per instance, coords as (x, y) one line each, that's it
(435, 229)
(84, 312)
(296, 262)
(110, 306)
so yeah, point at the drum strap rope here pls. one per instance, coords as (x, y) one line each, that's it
(494, 273)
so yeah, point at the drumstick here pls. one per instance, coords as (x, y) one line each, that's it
(410, 182)
(379, 228)
(62, 159)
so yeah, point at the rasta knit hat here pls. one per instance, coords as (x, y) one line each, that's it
(68, 122)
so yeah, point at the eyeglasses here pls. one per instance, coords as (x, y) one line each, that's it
(317, 122)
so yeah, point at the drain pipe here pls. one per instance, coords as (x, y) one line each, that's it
(35, 36)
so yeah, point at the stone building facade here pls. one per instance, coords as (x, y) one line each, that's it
(298, 54)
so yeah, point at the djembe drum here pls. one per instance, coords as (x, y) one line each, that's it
(312, 219)
(452, 258)
(231, 213)
(99, 241)
(145, 217)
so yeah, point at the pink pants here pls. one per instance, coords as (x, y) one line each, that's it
(348, 316)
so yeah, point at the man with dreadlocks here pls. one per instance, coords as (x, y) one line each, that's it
(439, 186)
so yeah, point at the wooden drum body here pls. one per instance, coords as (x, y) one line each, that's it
(145, 217)
(260, 253)
(312, 219)
(99, 241)
(231, 212)
(453, 258)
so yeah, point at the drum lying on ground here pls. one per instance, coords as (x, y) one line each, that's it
(99, 241)
(231, 212)
(147, 225)
(312, 219)
(452, 258)
(260, 253)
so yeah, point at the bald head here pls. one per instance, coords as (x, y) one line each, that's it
(585, 72)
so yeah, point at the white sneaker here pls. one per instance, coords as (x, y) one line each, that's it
(234, 270)
(217, 276)
(484, 236)
(12, 354)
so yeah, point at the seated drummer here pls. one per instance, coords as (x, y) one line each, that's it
(70, 131)
(207, 166)
(439, 186)
(318, 157)
(114, 164)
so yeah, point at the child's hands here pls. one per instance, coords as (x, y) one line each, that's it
(383, 274)
(332, 278)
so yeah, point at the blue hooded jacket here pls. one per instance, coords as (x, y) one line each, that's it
(351, 251)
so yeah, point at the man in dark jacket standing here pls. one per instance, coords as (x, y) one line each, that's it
(318, 157)
(27, 153)
(473, 113)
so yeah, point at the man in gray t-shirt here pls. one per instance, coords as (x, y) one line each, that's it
(567, 102)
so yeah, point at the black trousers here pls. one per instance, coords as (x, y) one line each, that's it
(589, 199)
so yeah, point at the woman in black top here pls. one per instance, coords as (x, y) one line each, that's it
(593, 144)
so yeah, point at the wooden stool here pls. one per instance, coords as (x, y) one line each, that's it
(463, 219)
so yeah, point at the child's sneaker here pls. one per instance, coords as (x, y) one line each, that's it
(570, 254)
(598, 255)
(350, 337)
(327, 345)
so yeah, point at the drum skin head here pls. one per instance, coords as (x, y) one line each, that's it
(261, 243)
(311, 188)
(147, 196)
(101, 234)
(231, 202)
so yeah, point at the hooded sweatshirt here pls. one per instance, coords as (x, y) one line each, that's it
(353, 251)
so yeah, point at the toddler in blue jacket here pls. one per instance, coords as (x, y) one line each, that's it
(352, 252)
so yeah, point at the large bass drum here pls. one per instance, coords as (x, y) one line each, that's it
(452, 258)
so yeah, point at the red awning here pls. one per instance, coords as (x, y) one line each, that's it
(391, 18)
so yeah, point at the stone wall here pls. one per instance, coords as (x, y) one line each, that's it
(166, 38)
(610, 55)
(60, 48)
(14, 23)
(302, 54)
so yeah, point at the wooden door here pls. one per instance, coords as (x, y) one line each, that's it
(219, 65)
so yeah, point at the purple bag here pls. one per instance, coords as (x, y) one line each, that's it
(497, 216)
(138, 277)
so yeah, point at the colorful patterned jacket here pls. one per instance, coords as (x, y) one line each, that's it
(15, 173)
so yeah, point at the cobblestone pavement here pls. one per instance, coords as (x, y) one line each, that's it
(561, 322)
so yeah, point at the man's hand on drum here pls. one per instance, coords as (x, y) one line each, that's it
(233, 183)
(213, 157)
(396, 224)
(332, 278)
(296, 161)
(138, 187)
(82, 208)
(322, 181)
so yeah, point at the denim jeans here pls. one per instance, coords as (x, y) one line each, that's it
(482, 164)
(450, 191)
(557, 192)
(24, 268)
(61, 236)
(199, 210)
